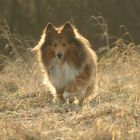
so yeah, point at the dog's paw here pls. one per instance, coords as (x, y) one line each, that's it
(66, 95)
(69, 97)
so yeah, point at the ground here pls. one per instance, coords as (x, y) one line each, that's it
(28, 112)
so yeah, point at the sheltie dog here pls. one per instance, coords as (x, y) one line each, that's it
(68, 61)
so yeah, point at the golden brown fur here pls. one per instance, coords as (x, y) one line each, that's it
(68, 61)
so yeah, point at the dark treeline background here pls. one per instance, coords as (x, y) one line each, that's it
(29, 17)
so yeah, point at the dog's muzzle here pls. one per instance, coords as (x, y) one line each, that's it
(59, 56)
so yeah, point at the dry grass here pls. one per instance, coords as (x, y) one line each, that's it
(27, 110)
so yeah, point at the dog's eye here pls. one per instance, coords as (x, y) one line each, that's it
(64, 44)
(55, 45)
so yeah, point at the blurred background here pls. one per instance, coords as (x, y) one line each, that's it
(93, 18)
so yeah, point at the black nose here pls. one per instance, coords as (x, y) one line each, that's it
(59, 56)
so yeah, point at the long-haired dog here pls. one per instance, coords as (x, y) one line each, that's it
(69, 62)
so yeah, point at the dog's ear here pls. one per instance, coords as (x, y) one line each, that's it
(50, 29)
(68, 30)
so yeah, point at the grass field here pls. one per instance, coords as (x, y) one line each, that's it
(27, 110)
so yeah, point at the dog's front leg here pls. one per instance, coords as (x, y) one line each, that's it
(59, 95)
(76, 88)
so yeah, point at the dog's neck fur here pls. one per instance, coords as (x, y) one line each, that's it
(61, 74)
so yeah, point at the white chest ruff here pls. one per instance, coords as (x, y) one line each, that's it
(61, 75)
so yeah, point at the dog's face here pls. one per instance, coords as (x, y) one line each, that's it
(59, 46)
(60, 39)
